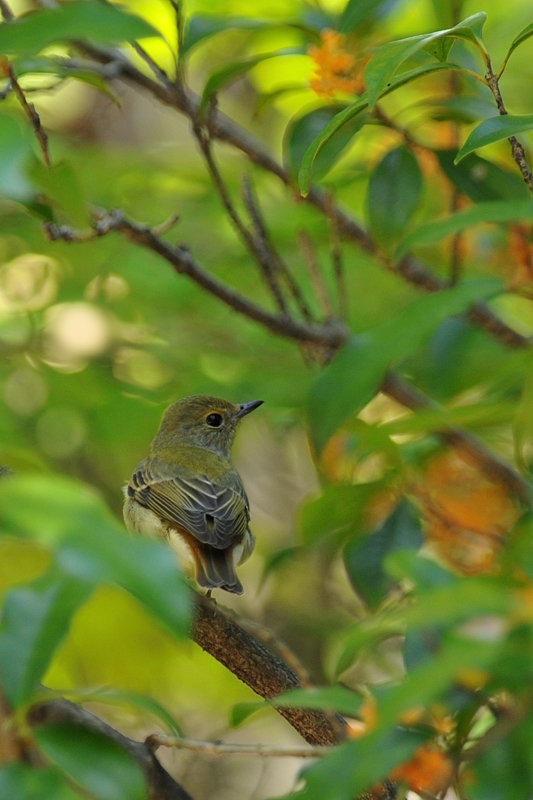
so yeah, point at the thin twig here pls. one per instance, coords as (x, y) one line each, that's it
(516, 148)
(222, 749)
(6, 11)
(317, 279)
(262, 245)
(156, 69)
(331, 334)
(29, 109)
(225, 129)
(338, 264)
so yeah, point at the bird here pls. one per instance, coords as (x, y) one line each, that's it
(188, 492)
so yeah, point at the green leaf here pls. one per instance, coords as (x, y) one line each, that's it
(338, 511)
(330, 698)
(479, 415)
(356, 11)
(303, 131)
(456, 601)
(364, 558)
(135, 700)
(497, 211)
(93, 546)
(237, 69)
(495, 129)
(481, 180)
(203, 27)
(393, 194)
(382, 67)
(15, 152)
(22, 782)
(522, 37)
(35, 621)
(352, 379)
(100, 766)
(342, 118)
(357, 766)
(62, 187)
(88, 19)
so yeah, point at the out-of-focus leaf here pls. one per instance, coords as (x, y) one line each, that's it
(393, 194)
(505, 770)
(22, 782)
(495, 129)
(356, 11)
(50, 66)
(363, 558)
(523, 424)
(422, 571)
(35, 620)
(479, 415)
(351, 380)
(338, 512)
(142, 702)
(15, 152)
(522, 37)
(496, 211)
(61, 185)
(464, 109)
(93, 546)
(87, 19)
(332, 698)
(305, 173)
(382, 67)
(231, 72)
(481, 180)
(202, 27)
(278, 560)
(302, 131)
(357, 766)
(97, 764)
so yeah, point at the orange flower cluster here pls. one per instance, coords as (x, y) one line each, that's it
(429, 770)
(334, 67)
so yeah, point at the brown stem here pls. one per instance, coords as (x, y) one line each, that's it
(519, 154)
(29, 110)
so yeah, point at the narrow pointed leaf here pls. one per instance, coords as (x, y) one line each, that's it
(493, 130)
(522, 37)
(88, 19)
(497, 211)
(393, 194)
(352, 379)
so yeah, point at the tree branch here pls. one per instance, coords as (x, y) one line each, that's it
(29, 109)
(161, 785)
(225, 129)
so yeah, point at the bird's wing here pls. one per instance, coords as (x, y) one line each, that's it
(214, 513)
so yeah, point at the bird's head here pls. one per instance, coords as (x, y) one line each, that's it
(204, 421)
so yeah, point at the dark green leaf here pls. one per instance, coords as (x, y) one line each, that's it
(358, 765)
(481, 180)
(237, 69)
(357, 11)
(338, 511)
(363, 558)
(393, 194)
(342, 118)
(302, 131)
(383, 66)
(495, 129)
(354, 376)
(505, 770)
(497, 211)
(61, 186)
(95, 763)
(22, 782)
(93, 546)
(87, 19)
(35, 621)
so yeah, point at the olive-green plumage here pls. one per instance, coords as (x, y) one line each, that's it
(188, 492)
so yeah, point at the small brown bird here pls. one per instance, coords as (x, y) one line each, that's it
(188, 492)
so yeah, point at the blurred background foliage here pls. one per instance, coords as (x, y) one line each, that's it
(98, 337)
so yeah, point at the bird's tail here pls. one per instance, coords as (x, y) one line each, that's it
(215, 569)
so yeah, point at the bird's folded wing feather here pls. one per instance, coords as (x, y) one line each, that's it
(215, 514)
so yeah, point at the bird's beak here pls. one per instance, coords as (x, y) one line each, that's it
(245, 408)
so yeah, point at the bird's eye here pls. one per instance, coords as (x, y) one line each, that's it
(214, 420)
